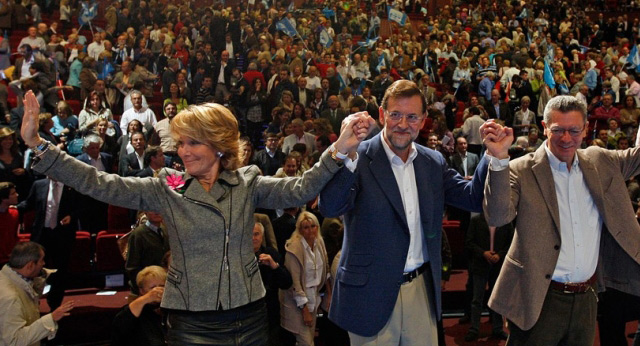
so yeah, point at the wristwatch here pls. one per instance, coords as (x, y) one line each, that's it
(336, 155)
(41, 148)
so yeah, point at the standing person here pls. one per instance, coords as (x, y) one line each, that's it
(307, 261)
(487, 253)
(138, 112)
(213, 200)
(388, 281)
(9, 220)
(21, 284)
(57, 209)
(570, 237)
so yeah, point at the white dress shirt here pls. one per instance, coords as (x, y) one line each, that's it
(53, 204)
(97, 163)
(406, 180)
(580, 222)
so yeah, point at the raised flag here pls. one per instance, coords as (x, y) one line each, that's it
(285, 26)
(547, 76)
(325, 39)
(88, 12)
(396, 16)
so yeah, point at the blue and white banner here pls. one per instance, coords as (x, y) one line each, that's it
(381, 63)
(328, 13)
(292, 6)
(285, 26)
(634, 57)
(325, 39)
(88, 12)
(396, 16)
(368, 43)
(547, 76)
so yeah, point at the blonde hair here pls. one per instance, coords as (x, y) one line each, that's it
(306, 216)
(43, 117)
(151, 272)
(214, 125)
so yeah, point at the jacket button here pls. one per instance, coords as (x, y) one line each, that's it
(557, 247)
(547, 276)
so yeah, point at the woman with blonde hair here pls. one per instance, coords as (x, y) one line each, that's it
(308, 264)
(213, 293)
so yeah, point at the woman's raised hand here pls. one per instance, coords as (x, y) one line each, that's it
(30, 122)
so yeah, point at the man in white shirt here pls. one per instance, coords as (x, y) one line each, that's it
(138, 112)
(36, 43)
(313, 81)
(96, 47)
(299, 136)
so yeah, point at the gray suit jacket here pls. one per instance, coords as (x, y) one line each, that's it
(528, 190)
(472, 162)
(200, 277)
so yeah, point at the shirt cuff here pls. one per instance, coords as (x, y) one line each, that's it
(301, 301)
(351, 164)
(496, 164)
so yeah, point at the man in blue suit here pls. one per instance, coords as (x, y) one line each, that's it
(95, 219)
(387, 288)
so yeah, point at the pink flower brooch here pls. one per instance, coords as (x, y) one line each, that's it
(176, 183)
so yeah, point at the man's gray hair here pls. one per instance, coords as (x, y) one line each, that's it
(260, 226)
(23, 253)
(92, 138)
(564, 104)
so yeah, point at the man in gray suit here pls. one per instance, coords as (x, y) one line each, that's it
(299, 136)
(462, 161)
(575, 232)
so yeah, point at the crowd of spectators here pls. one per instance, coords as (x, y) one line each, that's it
(149, 60)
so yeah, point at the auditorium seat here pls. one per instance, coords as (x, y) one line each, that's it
(456, 243)
(108, 257)
(27, 222)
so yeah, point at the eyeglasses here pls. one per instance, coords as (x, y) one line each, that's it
(559, 131)
(411, 118)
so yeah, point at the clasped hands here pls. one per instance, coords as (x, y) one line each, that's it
(496, 138)
(355, 128)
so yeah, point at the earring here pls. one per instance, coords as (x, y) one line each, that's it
(220, 154)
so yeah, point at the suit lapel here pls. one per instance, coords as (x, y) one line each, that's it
(542, 172)
(592, 179)
(381, 170)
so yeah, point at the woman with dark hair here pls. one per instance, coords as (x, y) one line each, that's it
(174, 96)
(12, 163)
(256, 97)
(298, 111)
(93, 111)
(208, 213)
(318, 103)
(124, 142)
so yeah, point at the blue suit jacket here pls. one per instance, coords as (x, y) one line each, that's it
(376, 237)
(104, 157)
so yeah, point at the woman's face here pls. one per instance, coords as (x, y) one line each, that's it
(288, 129)
(286, 99)
(198, 157)
(631, 103)
(102, 127)
(6, 143)
(174, 88)
(62, 112)
(134, 126)
(258, 84)
(95, 102)
(309, 231)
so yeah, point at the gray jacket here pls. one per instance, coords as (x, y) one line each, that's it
(213, 265)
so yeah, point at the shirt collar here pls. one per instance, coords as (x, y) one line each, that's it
(395, 159)
(555, 163)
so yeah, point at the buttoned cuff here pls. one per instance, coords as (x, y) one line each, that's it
(300, 301)
(496, 164)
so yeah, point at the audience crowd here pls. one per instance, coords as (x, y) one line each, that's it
(290, 74)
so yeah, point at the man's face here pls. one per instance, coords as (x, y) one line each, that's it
(154, 217)
(495, 96)
(206, 83)
(272, 143)
(283, 75)
(256, 239)
(136, 100)
(158, 159)
(432, 142)
(13, 197)
(607, 100)
(32, 32)
(170, 111)
(400, 134)
(333, 102)
(461, 145)
(325, 84)
(290, 167)
(623, 144)
(564, 146)
(36, 266)
(603, 136)
(298, 130)
(93, 150)
(225, 56)
(302, 83)
(138, 142)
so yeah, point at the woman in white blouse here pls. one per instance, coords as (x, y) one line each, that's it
(307, 261)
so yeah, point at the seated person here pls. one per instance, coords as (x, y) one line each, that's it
(140, 322)
(133, 163)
